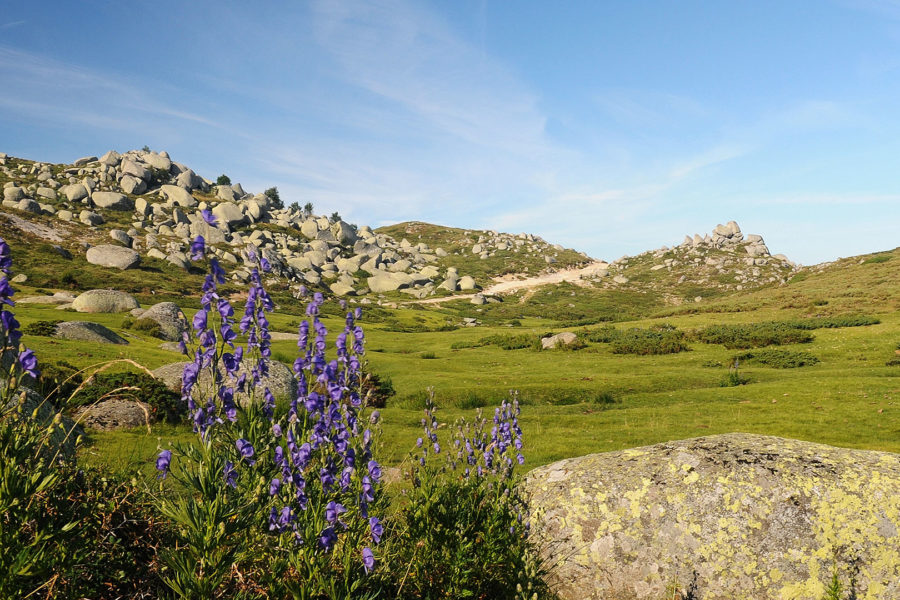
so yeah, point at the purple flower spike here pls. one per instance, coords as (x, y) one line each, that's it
(162, 463)
(376, 528)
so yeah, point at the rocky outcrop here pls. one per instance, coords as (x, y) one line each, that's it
(566, 338)
(734, 516)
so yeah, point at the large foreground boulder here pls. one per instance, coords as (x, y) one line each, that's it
(280, 381)
(104, 301)
(734, 516)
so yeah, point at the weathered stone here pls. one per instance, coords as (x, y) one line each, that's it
(121, 237)
(130, 167)
(178, 196)
(170, 318)
(229, 213)
(115, 413)
(157, 161)
(75, 192)
(80, 162)
(90, 218)
(13, 194)
(132, 185)
(111, 158)
(226, 193)
(104, 301)
(735, 516)
(29, 205)
(566, 338)
(179, 259)
(113, 256)
(87, 332)
(112, 201)
(465, 282)
(343, 233)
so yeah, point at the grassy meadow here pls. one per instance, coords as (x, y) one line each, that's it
(591, 399)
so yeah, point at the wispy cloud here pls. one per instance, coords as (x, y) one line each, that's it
(12, 24)
(55, 90)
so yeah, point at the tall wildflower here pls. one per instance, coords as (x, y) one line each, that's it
(309, 522)
(12, 355)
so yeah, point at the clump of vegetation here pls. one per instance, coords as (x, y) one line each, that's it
(148, 326)
(223, 180)
(753, 335)
(58, 381)
(41, 328)
(874, 260)
(645, 342)
(831, 322)
(778, 358)
(274, 198)
(377, 390)
(396, 326)
(512, 341)
(428, 355)
(164, 403)
(603, 335)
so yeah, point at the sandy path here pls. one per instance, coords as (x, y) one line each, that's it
(512, 283)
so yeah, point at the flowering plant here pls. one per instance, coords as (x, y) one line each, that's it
(291, 494)
(464, 531)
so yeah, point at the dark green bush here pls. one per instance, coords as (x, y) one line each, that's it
(148, 326)
(164, 403)
(733, 379)
(428, 355)
(58, 380)
(223, 180)
(377, 390)
(753, 335)
(894, 361)
(274, 197)
(646, 341)
(603, 335)
(778, 358)
(831, 322)
(42, 328)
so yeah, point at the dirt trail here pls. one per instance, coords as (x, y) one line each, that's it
(511, 283)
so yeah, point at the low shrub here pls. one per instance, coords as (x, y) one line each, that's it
(164, 403)
(377, 390)
(148, 326)
(512, 342)
(733, 379)
(831, 322)
(645, 342)
(604, 335)
(428, 355)
(401, 327)
(753, 335)
(778, 358)
(58, 381)
(41, 328)
(894, 361)
(874, 260)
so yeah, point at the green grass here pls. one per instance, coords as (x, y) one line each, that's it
(590, 400)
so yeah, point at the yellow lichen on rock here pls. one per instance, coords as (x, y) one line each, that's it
(736, 516)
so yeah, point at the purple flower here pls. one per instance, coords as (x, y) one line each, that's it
(162, 463)
(10, 326)
(333, 510)
(5, 256)
(198, 248)
(274, 487)
(246, 450)
(28, 362)
(374, 471)
(230, 474)
(209, 217)
(368, 559)
(327, 538)
(376, 528)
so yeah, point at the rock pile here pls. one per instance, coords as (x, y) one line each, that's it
(166, 198)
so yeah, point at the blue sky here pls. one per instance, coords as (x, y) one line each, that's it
(609, 127)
